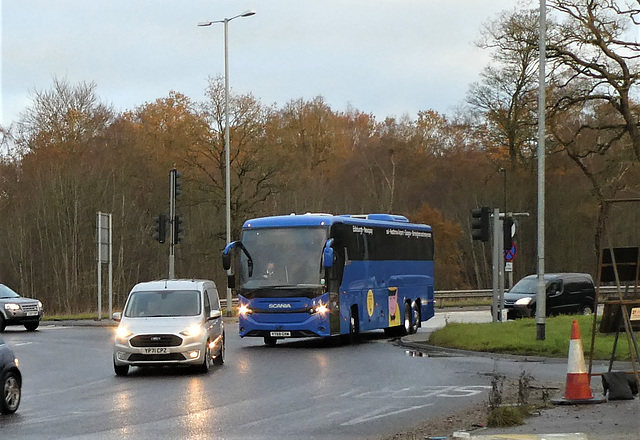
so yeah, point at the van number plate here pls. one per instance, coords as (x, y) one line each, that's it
(279, 334)
(156, 350)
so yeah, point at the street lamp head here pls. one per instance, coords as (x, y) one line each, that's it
(248, 13)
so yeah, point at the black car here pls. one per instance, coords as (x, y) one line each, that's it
(16, 310)
(11, 380)
(567, 293)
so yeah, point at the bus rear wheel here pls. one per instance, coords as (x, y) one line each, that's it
(415, 317)
(406, 319)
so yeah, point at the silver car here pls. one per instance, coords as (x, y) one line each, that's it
(16, 310)
(170, 322)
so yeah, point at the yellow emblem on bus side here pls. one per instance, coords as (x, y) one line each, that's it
(370, 303)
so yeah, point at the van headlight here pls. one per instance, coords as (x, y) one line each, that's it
(192, 331)
(524, 301)
(122, 333)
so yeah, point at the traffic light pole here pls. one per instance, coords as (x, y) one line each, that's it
(172, 215)
(497, 267)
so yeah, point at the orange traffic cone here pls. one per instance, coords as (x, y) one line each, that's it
(578, 389)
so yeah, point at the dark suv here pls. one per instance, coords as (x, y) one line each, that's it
(16, 310)
(567, 293)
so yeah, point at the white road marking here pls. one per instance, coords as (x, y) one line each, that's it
(375, 415)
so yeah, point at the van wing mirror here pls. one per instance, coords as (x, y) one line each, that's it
(215, 314)
(117, 316)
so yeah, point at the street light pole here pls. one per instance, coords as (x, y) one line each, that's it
(541, 299)
(227, 160)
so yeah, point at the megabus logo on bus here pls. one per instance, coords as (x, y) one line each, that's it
(407, 233)
(362, 230)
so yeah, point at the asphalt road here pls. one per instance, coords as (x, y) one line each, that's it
(312, 388)
(309, 388)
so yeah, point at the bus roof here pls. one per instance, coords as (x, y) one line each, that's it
(309, 219)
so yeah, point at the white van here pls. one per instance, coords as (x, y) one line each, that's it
(170, 322)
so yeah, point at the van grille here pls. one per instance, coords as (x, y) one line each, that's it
(156, 341)
(156, 357)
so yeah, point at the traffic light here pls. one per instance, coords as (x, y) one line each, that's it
(178, 229)
(160, 228)
(480, 223)
(175, 183)
(506, 230)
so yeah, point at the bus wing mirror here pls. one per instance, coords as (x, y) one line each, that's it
(226, 255)
(327, 254)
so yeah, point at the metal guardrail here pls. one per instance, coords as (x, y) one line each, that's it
(441, 295)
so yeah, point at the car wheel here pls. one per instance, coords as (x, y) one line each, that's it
(269, 341)
(586, 310)
(219, 360)
(11, 393)
(2, 323)
(32, 326)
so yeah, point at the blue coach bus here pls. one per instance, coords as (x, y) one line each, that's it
(324, 275)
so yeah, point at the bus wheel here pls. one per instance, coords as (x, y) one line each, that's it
(406, 317)
(415, 317)
(354, 327)
(270, 341)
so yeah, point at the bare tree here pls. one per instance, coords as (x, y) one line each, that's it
(506, 96)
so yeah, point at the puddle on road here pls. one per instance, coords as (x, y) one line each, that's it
(416, 354)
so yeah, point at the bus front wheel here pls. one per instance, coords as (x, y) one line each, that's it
(354, 326)
(270, 341)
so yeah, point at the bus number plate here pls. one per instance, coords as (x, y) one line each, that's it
(279, 334)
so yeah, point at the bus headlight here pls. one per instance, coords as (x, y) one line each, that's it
(322, 309)
(244, 309)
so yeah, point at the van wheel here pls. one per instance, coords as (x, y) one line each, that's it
(586, 310)
(206, 362)
(120, 370)
(219, 360)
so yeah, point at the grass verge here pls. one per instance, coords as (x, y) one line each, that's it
(519, 337)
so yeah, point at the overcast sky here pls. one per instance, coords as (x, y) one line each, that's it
(385, 57)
